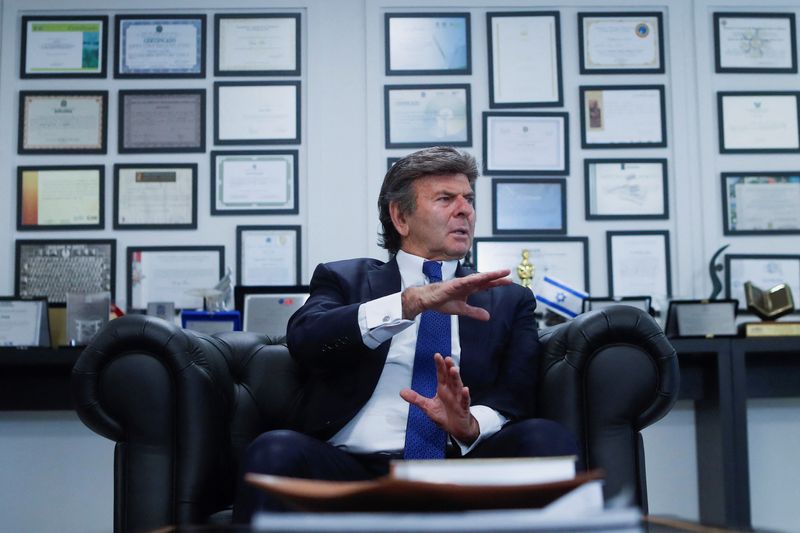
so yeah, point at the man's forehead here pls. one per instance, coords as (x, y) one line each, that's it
(449, 182)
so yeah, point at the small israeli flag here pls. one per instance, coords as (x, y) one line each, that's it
(560, 297)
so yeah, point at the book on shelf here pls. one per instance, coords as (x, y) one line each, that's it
(491, 471)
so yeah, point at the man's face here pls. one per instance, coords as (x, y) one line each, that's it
(443, 223)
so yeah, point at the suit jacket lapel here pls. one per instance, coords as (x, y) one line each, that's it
(384, 280)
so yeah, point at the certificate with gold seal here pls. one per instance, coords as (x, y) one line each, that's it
(61, 122)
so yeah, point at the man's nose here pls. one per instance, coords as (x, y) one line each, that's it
(464, 206)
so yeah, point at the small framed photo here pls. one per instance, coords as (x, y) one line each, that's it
(524, 59)
(416, 116)
(62, 122)
(262, 182)
(755, 42)
(626, 189)
(154, 196)
(257, 44)
(266, 309)
(184, 275)
(525, 143)
(268, 255)
(167, 46)
(758, 122)
(53, 268)
(761, 203)
(162, 121)
(623, 116)
(525, 206)
(621, 42)
(427, 44)
(64, 47)
(762, 270)
(257, 112)
(562, 258)
(701, 318)
(24, 322)
(60, 197)
(639, 263)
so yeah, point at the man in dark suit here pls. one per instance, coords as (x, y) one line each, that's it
(357, 339)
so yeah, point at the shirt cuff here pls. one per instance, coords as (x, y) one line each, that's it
(489, 423)
(380, 320)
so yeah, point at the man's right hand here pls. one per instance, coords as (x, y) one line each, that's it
(450, 297)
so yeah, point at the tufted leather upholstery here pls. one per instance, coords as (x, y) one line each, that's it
(182, 406)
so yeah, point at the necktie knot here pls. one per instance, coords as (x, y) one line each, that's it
(433, 270)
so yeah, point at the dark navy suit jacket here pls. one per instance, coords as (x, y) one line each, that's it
(498, 357)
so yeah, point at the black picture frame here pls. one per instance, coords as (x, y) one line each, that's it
(724, 147)
(729, 217)
(28, 196)
(672, 327)
(590, 188)
(198, 72)
(490, 166)
(293, 138)
(293, 204)
(240, 251)
(58, 147)
(55, 72)
(122, 225)
(719, 18)
(794, 284)
(587, 89)
(432, 141)
(195, 131)
(544, 203)
(392, 71)
(584, 69)
(610, 235)
(219, 71)
(287, 298)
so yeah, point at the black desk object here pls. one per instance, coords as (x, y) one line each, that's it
(36, 379)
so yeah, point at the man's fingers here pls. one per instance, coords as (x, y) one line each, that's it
(413, 397)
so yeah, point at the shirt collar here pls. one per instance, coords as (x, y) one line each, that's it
(411, 269)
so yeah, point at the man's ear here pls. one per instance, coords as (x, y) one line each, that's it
(398, 219)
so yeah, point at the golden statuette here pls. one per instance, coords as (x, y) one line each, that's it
(525, 270)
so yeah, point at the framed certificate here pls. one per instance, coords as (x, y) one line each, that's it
(268, 255)
(758, 122)
(563, 258)
(755, 42)
(53, 268)
(638, 263)
(162, 121)
(60, 197)
(427, 43)
(24, 322)
(626, 189)
(257, 112)
(524, 144)
(525, 206)
(266, 309)
(63, 47)
(257, 44)
(153, 196)
(621, 43)
(254, 182)
(701, 318)
(184, 275)
(623, 116)
(524, 59)
(167, 46)
(62, 122)
(762, 270)
(761, 203)
(416, 116)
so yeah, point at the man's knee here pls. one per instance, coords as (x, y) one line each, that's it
(539, 437)
(278, 452)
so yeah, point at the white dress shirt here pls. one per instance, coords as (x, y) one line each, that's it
(380, 425)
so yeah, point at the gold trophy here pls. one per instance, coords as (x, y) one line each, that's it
(525, 270)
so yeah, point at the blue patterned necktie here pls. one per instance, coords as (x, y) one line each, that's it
(424, 439)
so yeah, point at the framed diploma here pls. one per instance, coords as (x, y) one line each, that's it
(621, 43)
(162, 121)
(62, 122)
(701, 318)
(762, 270)
(254, 182)
(761, 203)
(626, 189)
(268, 255)
(153, 196)
(257, 44)
(167, 46)
(524, 144)
(266, 309)
(60, 197)
(257, 112)
(24, 322)
(638, 263)
(563, 258)
(524, 59)
(758, 122)
(755, 42)
(525, 206)
(427, 43)
(64, 47)
(184, 275)
(417, 116)
(623, 116)
(53, 268)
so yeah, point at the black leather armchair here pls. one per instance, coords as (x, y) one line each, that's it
(183, 406)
